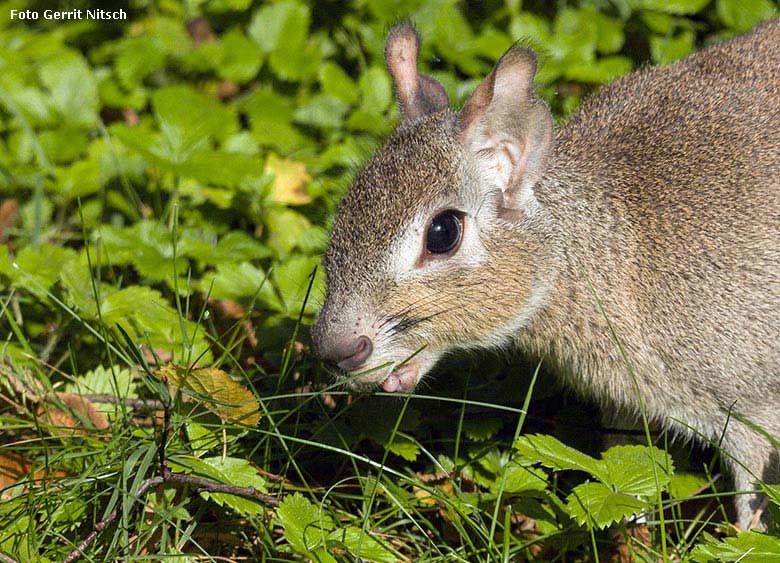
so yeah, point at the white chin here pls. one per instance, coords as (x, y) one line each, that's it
(402, 379)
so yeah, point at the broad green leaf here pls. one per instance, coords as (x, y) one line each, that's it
(63, 144)
(232, 471)
(516, 478)
(137, 57)
(404, 447)
(104, 381)
(529, 27)
(73, 88)
(630, 469)
(596, 505)
(186, 109)
(242, 57)
(42, 265)
(684, 484)
(552, 453)
(747, 547)
(376, 90)
(80, 179)
(669, 49)
(678, 7)
(240, 281)
(362, 545)
(336, 83)
(292, 279)
(741, 15)
(306, 527)
(322, 111)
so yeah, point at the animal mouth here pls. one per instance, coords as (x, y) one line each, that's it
(402, 379)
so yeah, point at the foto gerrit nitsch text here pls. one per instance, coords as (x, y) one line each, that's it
(65, 15)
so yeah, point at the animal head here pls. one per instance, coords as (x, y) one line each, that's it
(440, 243)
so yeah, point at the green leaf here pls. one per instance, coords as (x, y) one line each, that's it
(684, 484)
(741, 15)
(306, 527)
(101, 381)
(73, 88)
(597, 506)
(196, 115)
(230, 471)
(137, 57)
(42, 264)
(362, 545)
(322, 111)
(242, 57)
(336, 83)
(669, 49)
(630, 469)
(552, 453)
(292, 279)
(404, 447)
(747, 547)
(677, 7)
(376, 90)
(240, 281)
(519, 479)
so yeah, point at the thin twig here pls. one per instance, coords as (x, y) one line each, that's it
(6, 558)
(175, 479)
(140, 404)
(79, 551)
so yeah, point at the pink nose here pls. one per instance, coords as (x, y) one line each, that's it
(351, 355)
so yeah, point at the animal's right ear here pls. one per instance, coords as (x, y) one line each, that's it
(509, 129)
(418, 95)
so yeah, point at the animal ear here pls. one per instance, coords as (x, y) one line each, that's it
(508, 128)
(418, 95)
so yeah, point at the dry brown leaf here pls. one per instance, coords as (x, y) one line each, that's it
(290, 180)
(12, 468)
(64, 423)
(9, 210)
(215, 389)
(15, 467)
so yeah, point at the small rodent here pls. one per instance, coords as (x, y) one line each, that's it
(656, 206)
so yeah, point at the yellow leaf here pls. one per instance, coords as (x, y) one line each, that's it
(290, 180)
(216, 390)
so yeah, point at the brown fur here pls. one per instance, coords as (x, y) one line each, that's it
(661, 196)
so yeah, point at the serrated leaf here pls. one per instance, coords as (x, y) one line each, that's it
(519, 479)
(629, 469)
(362, 545)
(101, 381)
(556, 455)
(596, 505)
(306, 527)
(747, 547)
(231, 471)
(215, 389)
(404, 447)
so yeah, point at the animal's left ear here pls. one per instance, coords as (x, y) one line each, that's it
(418, 95)
(509, 129)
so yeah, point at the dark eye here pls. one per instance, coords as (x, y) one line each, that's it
(444, 232)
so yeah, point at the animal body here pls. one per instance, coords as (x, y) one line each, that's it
(643, 236)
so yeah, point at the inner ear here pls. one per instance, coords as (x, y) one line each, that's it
(508, 128)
